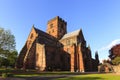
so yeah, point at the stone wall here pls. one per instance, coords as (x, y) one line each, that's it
(117, 69)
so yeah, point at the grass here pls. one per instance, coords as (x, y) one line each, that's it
(32, 73)
(74, 76)
(93, 77)
(43, 74)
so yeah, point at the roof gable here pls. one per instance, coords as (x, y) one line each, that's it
(32, 32)
(42, 33)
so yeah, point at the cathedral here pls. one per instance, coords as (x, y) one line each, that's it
(56, 50)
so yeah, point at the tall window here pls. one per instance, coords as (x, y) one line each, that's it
(31, 36)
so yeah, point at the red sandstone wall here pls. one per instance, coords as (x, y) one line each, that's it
(40, 57)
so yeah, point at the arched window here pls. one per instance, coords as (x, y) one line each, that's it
(31, 36)
(51, 25)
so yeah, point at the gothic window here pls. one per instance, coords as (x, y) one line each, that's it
(51, 25)
(29, 43)
(31, 36)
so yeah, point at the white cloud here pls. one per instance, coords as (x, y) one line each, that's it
(113, 43)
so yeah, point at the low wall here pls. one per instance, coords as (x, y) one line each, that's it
(117, 69)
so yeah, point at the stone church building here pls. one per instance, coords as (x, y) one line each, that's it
(56, 50)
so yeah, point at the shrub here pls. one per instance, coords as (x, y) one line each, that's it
(5, 75)
(116, 60)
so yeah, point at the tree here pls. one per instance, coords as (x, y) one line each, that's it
(97, 57)
(114, 54)
(114, 51)
(12, 58)
(8, 53)
(116, 61)
(7, 40)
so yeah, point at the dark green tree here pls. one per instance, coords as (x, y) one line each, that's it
(97, 58)
(8, 53)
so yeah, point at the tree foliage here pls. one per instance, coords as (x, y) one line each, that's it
(114, 51)
(7, 40)
(114, 54)
(8, 53)
(116, 61)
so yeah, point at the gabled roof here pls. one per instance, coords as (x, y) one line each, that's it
(74, 33)
(44, 34)
(39, 31)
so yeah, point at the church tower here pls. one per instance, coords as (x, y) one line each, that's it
(57, 27)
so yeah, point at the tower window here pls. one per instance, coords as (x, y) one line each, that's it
(51, 25)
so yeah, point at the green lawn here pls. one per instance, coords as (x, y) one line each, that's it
(75, 76)
(33, 74)
(93, 77)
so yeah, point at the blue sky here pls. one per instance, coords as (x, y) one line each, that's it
(99, 19)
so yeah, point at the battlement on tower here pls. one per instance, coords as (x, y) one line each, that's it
(57, 17)
(57, 27)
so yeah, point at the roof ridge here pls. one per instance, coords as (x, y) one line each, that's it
(40, 32)
(74, 33)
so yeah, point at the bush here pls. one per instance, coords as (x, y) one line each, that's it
(10, 75)
(5, 75)
(116, 60)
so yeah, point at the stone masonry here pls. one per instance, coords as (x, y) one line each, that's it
(56, 50)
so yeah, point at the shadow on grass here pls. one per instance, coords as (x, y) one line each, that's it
(80, 78)
(46, 78)
(62, 77)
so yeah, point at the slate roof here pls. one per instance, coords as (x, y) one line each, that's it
(71, 34)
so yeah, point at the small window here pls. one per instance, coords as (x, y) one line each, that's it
(51, 25)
